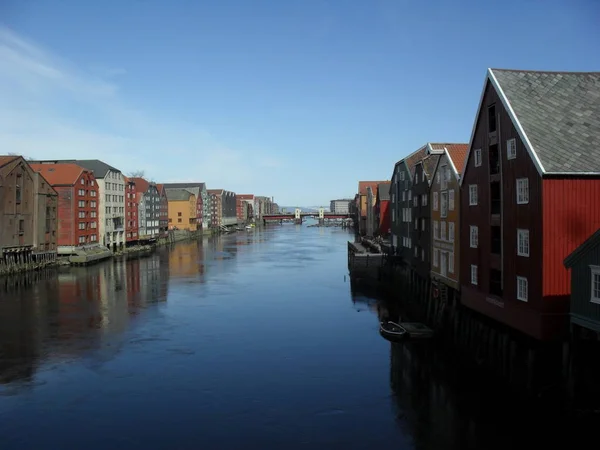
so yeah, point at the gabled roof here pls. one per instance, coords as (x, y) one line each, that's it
(202, 186)
(216, 191)
(363, 185)
(383, 190)
(59, 174)
(178, 195)
(100, 168)
(557, 116)
(5, 159)
(590, 243)
(141, 184)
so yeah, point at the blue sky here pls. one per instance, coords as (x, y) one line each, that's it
(297, 99)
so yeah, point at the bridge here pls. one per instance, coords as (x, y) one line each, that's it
(298, 215)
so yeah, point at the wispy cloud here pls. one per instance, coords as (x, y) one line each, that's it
(51, 108)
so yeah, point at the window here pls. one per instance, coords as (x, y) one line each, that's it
(82, 225)
(403, 195)
(451, 262)
(444, 178)
(179, 220)
(393, 215)
(444, 204)
(82, 214)
(511, 148)
(401, 176)
(416, 177)
(436, 257)
(82, 181)
(93, 193)
(522, 288)
(478, 157)
(443, 230)
(422, 224)
(21, 226)
(435, 201)
(423, 255)
(474, 235)
(416, 224)
(472, 195)
(178, 214)
(522, 191)
(492, 119)
(522, 242)
(416, 251)
(18, 194)
(474, 274)
(81, 203)
(451, 200)
(409, 195)
(93, 204)
(93, 238)
(82, 239)
(436, 229)
(595, 297)
(424, 200)
(451, 231)
(437, 178)
(92, 182)
(93, 225)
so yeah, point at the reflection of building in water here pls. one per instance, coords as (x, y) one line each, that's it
(187, 259)
(154, 274)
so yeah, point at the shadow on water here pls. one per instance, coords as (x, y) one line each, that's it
(443, 405)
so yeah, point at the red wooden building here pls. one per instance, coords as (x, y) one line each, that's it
(131, 211)
(77, 203)
(529, 195)
(382, 209)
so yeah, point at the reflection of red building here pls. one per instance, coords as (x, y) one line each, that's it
(382, 211)
(131, 211)
(133, 282)
(244, 206)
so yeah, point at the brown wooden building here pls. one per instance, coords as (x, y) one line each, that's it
(530, 193)
(28, 208)
(445, 217)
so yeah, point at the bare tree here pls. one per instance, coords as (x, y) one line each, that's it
(137, 174)
(28, 158)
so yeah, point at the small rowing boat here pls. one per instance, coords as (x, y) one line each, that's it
(392, 331)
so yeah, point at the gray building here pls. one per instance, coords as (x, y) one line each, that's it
(148, 208)
(340, 206)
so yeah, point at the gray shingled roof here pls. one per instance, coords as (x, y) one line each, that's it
(202, 186)
(560, 115)
(177, 195)
(99, 168)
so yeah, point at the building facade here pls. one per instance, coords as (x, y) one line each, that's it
(77, 214)
(202, 200)
(216, 213)
(444, 203)
(244, 207)
(182, 209)
(532, 169)
(163, 211)
(382, 209)
(362, 203)
(149, 209)
(131, 211)
(340, 206)
(29, 208)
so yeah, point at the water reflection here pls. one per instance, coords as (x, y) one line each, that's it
(74, 311)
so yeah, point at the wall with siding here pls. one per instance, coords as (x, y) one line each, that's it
(452, 279)
(13, 212)
(524, 316)
(67, 211)
(584, 312)
(421, 238)
(571, 214)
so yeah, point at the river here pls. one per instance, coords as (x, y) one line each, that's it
(247, 341)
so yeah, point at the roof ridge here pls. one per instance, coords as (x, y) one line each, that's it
(546, 71)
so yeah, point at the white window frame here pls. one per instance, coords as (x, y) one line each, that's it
(450, 262)
(522, 191)
(594, 272)
(511, 148)
(444, 204)
(523, 244)
(522, 289)
(478, 157)
(436, 229)
(473, 236)
(473, 195)
(435, 201)
(474, 275)
(424, 200)
(451, 200)
(416, 177)
(403, 196)
(436, 257)
(451, 231)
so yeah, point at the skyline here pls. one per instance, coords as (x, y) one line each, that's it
(298, 101)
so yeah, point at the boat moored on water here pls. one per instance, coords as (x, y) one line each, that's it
(392, 331)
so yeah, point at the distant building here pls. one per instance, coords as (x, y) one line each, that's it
(362, 202)
(340, 206)
(202, 200)
(244, 207)
(148, 198)
(131, 211)
(163, 211)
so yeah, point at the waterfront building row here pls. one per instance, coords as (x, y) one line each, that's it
(490, 223)
(60, 206)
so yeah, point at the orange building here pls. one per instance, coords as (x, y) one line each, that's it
(182, 209)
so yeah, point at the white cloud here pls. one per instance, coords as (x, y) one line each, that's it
(52, 109)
